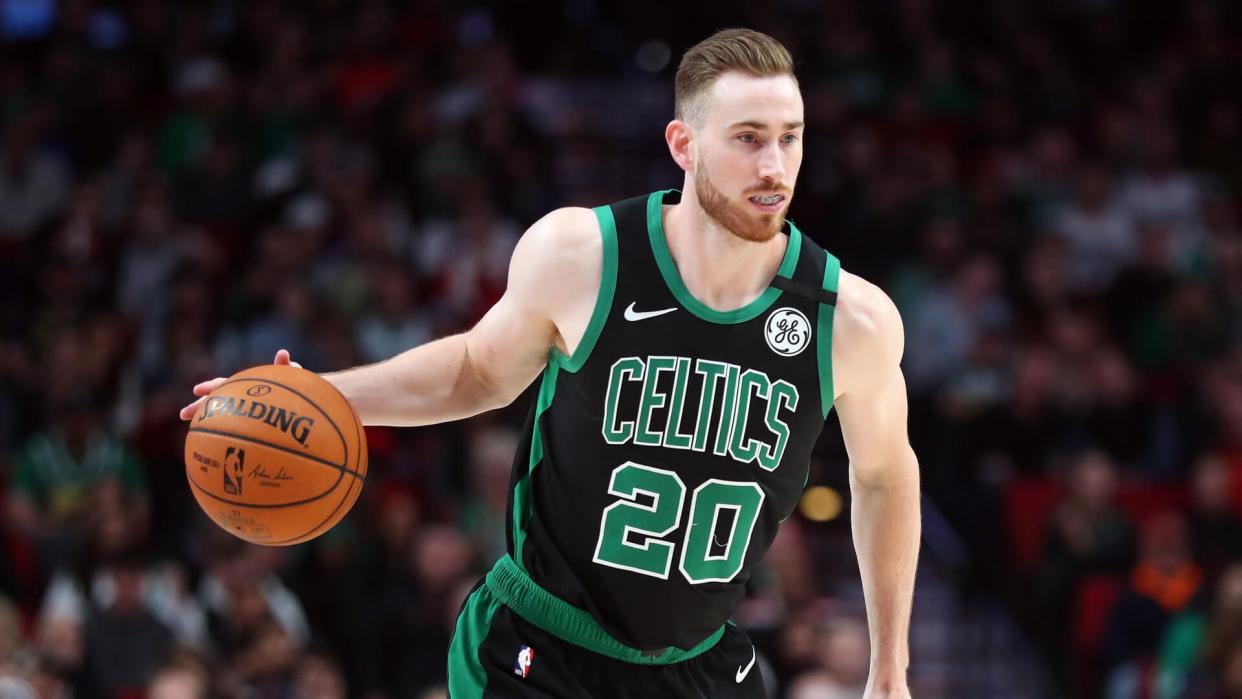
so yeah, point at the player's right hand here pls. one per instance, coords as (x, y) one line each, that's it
(203, 389)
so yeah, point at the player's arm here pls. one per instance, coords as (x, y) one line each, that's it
(553, 280)
(868, 341)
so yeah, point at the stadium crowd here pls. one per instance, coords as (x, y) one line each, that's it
(1049, 191)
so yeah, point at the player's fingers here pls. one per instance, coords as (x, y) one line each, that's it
(201, 390)
(187, 413)
(282, 357)
(206, 387)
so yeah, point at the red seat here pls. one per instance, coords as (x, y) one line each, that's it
(1028, 501)
(1142, 501)
(1094, 598)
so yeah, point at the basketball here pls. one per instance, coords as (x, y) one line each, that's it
(276, 455)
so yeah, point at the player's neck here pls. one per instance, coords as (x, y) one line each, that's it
(720, 269)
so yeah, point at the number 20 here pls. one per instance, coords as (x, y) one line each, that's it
(654, 556)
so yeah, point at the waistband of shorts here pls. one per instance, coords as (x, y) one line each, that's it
(515, 589)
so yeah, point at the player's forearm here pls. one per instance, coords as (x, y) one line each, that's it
(887, 527)
(431, 383)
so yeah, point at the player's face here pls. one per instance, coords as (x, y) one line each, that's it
(749, 153)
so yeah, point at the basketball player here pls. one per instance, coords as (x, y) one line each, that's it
(690, 345)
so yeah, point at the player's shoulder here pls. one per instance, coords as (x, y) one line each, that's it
(866, 325)
(567, 230)
(560, 254)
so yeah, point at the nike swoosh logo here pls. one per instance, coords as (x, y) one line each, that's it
(742, 672)
(631, 314)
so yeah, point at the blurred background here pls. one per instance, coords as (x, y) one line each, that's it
(1049, 190)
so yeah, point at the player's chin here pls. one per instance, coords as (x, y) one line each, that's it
(767, 218)
(763, 230)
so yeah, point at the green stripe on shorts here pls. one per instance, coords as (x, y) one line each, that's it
(511, 586)
(466, 676)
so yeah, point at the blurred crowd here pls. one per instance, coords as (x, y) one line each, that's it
(1049, 191)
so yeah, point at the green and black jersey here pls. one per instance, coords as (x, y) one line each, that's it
(662, 456)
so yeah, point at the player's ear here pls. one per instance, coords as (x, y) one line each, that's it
(680, 138)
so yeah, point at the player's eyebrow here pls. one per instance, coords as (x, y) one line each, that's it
(760, 126)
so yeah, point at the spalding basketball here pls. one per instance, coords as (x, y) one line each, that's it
(276, 455)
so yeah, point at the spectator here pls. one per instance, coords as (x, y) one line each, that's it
(247, 605)
(843, 664)
(947, 324)
(399, 320)
(1115, 416)
(1199, 641)
(123, 643)
(1100, 236)
(819, 685)
(34, 184)
(1166, 195)
(846, 655)
(491, 456)
(151, 254)
(184, 187)
(71, 473)
(178, 681)
(1087, 534)
(469, 255)
(1215, 529)
(318, 677)
(60, 648)
(1163, 582)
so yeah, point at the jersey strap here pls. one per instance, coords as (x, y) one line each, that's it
(536, 605)
(603, 299)
(797, 288)
(827, 309)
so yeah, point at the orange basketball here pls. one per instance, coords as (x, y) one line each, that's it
(276, 455)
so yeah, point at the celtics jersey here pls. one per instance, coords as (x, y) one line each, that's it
(661, 458)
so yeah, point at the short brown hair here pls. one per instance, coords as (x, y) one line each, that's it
(744, 50)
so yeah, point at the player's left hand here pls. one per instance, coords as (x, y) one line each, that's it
(201, 390)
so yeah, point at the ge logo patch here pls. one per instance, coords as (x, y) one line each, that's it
(787, 331)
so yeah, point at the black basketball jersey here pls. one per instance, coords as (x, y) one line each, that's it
(660, 459)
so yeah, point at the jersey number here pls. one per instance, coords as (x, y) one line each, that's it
(631, 533)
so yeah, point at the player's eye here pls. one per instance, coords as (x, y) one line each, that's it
(789, 138)
(747, 138)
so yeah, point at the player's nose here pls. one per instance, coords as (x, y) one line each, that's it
(771, 165)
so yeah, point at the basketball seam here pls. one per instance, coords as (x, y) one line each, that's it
(303, 396)
(342, 469)
(287, 450)
(268, 506)
(312, 532)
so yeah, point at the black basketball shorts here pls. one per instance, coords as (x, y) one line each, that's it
(496, 654)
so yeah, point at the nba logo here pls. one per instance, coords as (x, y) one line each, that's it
(234, 463)
(526, 656)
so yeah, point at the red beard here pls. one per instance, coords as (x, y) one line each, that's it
(747, 225)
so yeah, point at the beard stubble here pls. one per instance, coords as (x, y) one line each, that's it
(734, 217)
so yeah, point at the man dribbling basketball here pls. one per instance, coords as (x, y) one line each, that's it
(690, 346)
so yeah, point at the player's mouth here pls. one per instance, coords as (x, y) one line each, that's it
(768, 203)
